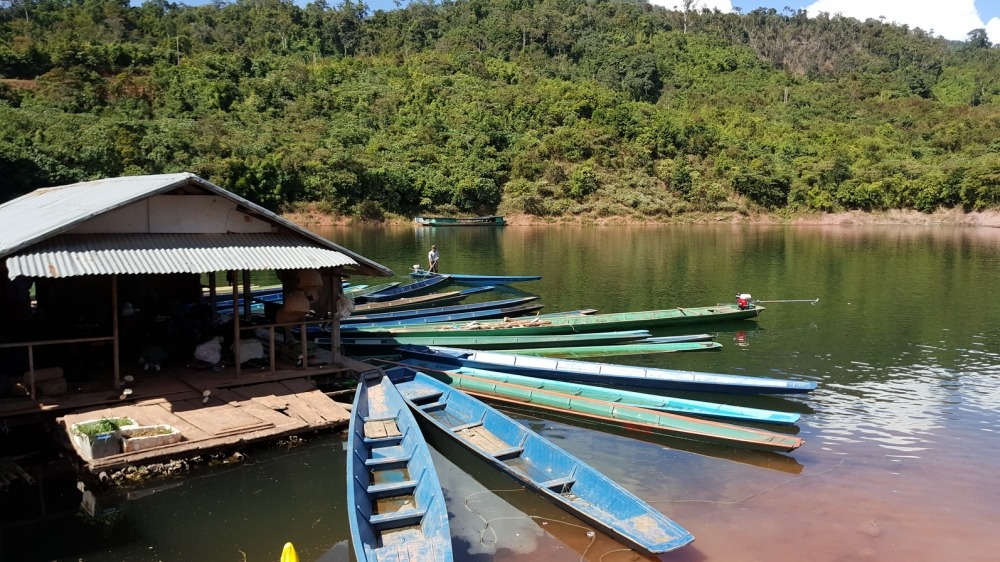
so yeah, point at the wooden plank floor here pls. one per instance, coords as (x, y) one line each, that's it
(222, 418)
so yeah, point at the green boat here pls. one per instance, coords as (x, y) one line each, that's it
(492, 220)
(625, 397)
(640, 348)
(633, 417)
(362, 345)
(644, 320)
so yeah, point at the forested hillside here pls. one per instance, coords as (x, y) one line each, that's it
(546, 107)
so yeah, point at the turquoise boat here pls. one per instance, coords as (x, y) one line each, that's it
(538, 464)
(394, 497)
(646, 320)
(631, 417)
(589, 372)
(490, 220)
(617, 396)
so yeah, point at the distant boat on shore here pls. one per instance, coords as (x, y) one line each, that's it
(493, 220)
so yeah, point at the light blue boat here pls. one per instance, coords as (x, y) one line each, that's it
(625, 397)
(589, 372)
(538, 464)
(396, 507)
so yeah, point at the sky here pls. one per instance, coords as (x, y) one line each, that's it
(951, 19)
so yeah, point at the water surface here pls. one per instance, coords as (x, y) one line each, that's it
(901, 435)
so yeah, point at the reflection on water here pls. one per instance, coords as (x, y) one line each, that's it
(900, 452)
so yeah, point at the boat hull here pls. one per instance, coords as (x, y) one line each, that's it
(612, 406)
(422, 301)
(493, 220)
(364, 345)
(589, 372)
(646, 320)
(435, 311)
(538, 464)
(395, 502)
(476, 280)
(416, 289)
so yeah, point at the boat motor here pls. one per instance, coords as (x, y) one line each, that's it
(743, 301)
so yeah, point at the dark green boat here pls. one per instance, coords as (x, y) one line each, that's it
(644, 320)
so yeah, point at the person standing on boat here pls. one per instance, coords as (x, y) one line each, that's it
(432, 259)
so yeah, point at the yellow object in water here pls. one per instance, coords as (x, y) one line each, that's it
(288, 553)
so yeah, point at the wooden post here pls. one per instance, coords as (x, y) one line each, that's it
(338, 289)
(247, 292)
(114, 329)
(236, 321)
(31, 371)
(211, 291)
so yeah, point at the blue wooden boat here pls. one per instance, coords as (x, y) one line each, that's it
(476, 280)
(449, 297)
(589, 372)
(416, 289)
(538, 464)
(436, 311)
(355, 291)
(506, 312)
(491, 220)
(616, 395)
(396, 508)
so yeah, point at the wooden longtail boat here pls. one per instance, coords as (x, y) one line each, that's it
(538, 464)
(359, 290)
(507, 312)
(476, 280)
(436, 311)
(369, 345)
(449, 297)
(632, 417)
(614, 395)
(405, 291)
(589, 372)
(491, 220)
(637, 348)
(646, 320)
(396, 507)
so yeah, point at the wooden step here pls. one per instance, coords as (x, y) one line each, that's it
(397, 519)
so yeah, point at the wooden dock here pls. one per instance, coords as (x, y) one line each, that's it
(218, 418)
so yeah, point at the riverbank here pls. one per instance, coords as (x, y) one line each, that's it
(945, 217)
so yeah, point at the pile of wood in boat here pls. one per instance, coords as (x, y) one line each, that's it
(507, 323)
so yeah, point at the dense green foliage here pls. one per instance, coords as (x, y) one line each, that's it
(547, 107)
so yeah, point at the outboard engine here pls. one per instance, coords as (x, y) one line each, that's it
(743, 300)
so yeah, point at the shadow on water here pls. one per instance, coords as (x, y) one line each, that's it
(492, 516)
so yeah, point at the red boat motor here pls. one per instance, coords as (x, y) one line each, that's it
(743, 301)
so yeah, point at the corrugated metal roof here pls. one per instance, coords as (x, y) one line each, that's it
(106, 254)
(47, 212)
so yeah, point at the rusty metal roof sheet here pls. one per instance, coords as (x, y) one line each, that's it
(121, 254)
